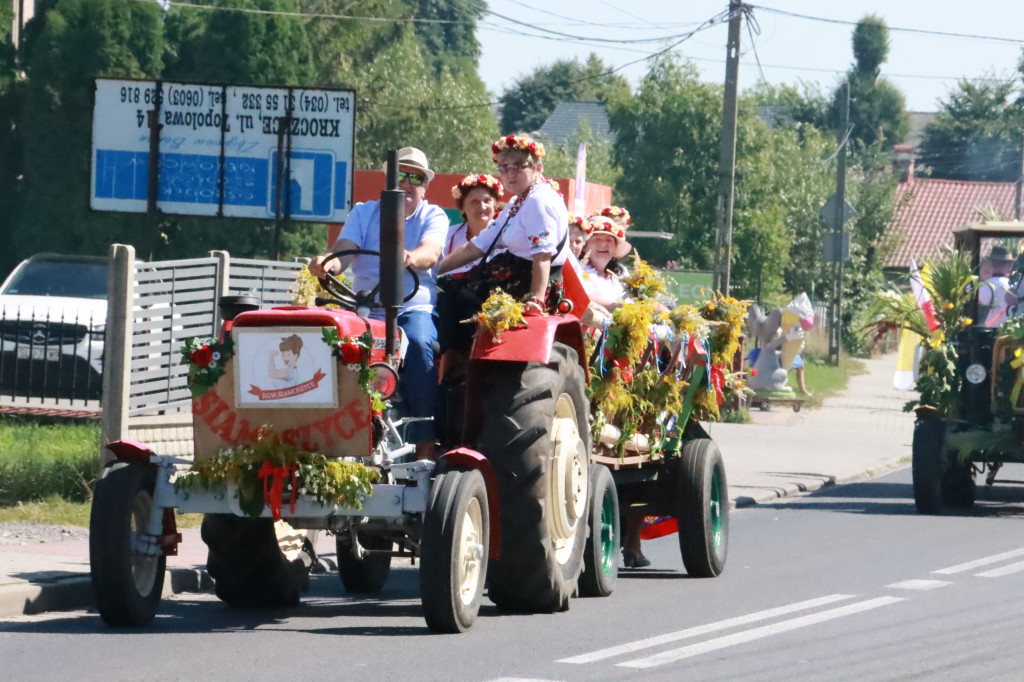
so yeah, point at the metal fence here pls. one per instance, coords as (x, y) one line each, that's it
(46, 357)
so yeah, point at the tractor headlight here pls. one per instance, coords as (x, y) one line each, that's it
(976, 373)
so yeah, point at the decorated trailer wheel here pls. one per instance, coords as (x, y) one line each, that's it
(127, 573)
(256, 563)
(535, 433)
(703, 502)
(456, 535)
(601, 559)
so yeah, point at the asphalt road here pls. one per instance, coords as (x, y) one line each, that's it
(845, 584)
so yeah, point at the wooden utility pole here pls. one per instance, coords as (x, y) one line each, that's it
(727, 154)
(835, 336)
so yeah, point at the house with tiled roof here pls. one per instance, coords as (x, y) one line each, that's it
(564, 122)
(928, 209)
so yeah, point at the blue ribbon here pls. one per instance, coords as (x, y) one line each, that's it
(600, 349)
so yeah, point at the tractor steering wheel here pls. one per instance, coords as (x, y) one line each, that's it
(351, 300)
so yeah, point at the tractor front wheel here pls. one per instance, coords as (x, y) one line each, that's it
(928, 465)
(456, 533)
(126, 565)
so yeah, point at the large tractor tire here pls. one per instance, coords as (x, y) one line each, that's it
(702, 498)
(256, 563)
(127, 582)
(928, 465)
(368, 574)
(601, 559)
(536, 435)
(456, 536)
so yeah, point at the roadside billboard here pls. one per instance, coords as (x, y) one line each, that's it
(224, 150)
(687, 286)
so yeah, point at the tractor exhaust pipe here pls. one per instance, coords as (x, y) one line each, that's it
(392, 253)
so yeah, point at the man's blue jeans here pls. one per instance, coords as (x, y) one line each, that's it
(418, 383)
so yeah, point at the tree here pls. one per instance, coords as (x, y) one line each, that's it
(560, 161)
(976, 134)
(448, 35)
(67, 45)
(877, 107)
(531, 99)
(667, 143)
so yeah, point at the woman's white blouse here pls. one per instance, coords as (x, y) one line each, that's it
(541, 223)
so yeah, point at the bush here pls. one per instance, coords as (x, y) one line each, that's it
(40, 460)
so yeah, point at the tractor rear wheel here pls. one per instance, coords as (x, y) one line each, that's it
(127, 581)
(601, 559)
(536, 435)
(456, 533)
(256, 563)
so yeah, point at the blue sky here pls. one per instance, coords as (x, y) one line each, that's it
(789, 48)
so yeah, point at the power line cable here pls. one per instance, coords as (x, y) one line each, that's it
(946, 34)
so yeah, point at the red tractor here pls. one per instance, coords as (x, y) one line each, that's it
(509, 500)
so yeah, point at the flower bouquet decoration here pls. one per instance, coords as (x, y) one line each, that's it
(205, 358)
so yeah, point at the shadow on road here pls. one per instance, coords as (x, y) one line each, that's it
(897, 499)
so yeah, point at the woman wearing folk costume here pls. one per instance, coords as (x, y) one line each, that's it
(605, 246)
(476, 198)
(524, 249)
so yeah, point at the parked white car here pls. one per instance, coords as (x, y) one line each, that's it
(53, 312)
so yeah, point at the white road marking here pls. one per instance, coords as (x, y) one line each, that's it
(1002, 570)
(670, 637)
(919, 584)
(960, 568)
(758, 633)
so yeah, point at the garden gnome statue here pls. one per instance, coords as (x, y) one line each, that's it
(768, 374)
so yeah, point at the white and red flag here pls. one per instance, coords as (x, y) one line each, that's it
(924, 301)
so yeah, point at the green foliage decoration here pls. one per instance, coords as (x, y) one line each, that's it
(328, 481)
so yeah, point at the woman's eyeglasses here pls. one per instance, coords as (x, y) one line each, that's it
(413, 179)
(512, 167)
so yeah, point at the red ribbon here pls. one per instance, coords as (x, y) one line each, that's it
(273, 486)
(718, 381)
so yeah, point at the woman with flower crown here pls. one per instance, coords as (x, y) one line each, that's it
(606, 244)
(523, 250)
(477, 198)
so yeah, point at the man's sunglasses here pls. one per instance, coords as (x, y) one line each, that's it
(414, 179)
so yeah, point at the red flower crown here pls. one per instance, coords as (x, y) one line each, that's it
(617, 213)
(580, 222)
(518, 142)
(606, 225)
(470, 181)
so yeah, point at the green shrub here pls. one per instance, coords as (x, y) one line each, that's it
(42, 460)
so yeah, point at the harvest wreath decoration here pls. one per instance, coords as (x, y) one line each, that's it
(265, 470)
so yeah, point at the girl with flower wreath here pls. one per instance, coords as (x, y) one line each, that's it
(523, 250)
(606, 244)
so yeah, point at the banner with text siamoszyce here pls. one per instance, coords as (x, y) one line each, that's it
(241, 152)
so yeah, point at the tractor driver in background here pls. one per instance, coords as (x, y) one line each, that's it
(425, 229)
(996, 297)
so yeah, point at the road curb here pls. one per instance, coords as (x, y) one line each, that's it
(65, 593)
(798, 489)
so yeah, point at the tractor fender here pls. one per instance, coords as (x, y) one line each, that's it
(130, 451)
(532, 342)
(464, 458)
